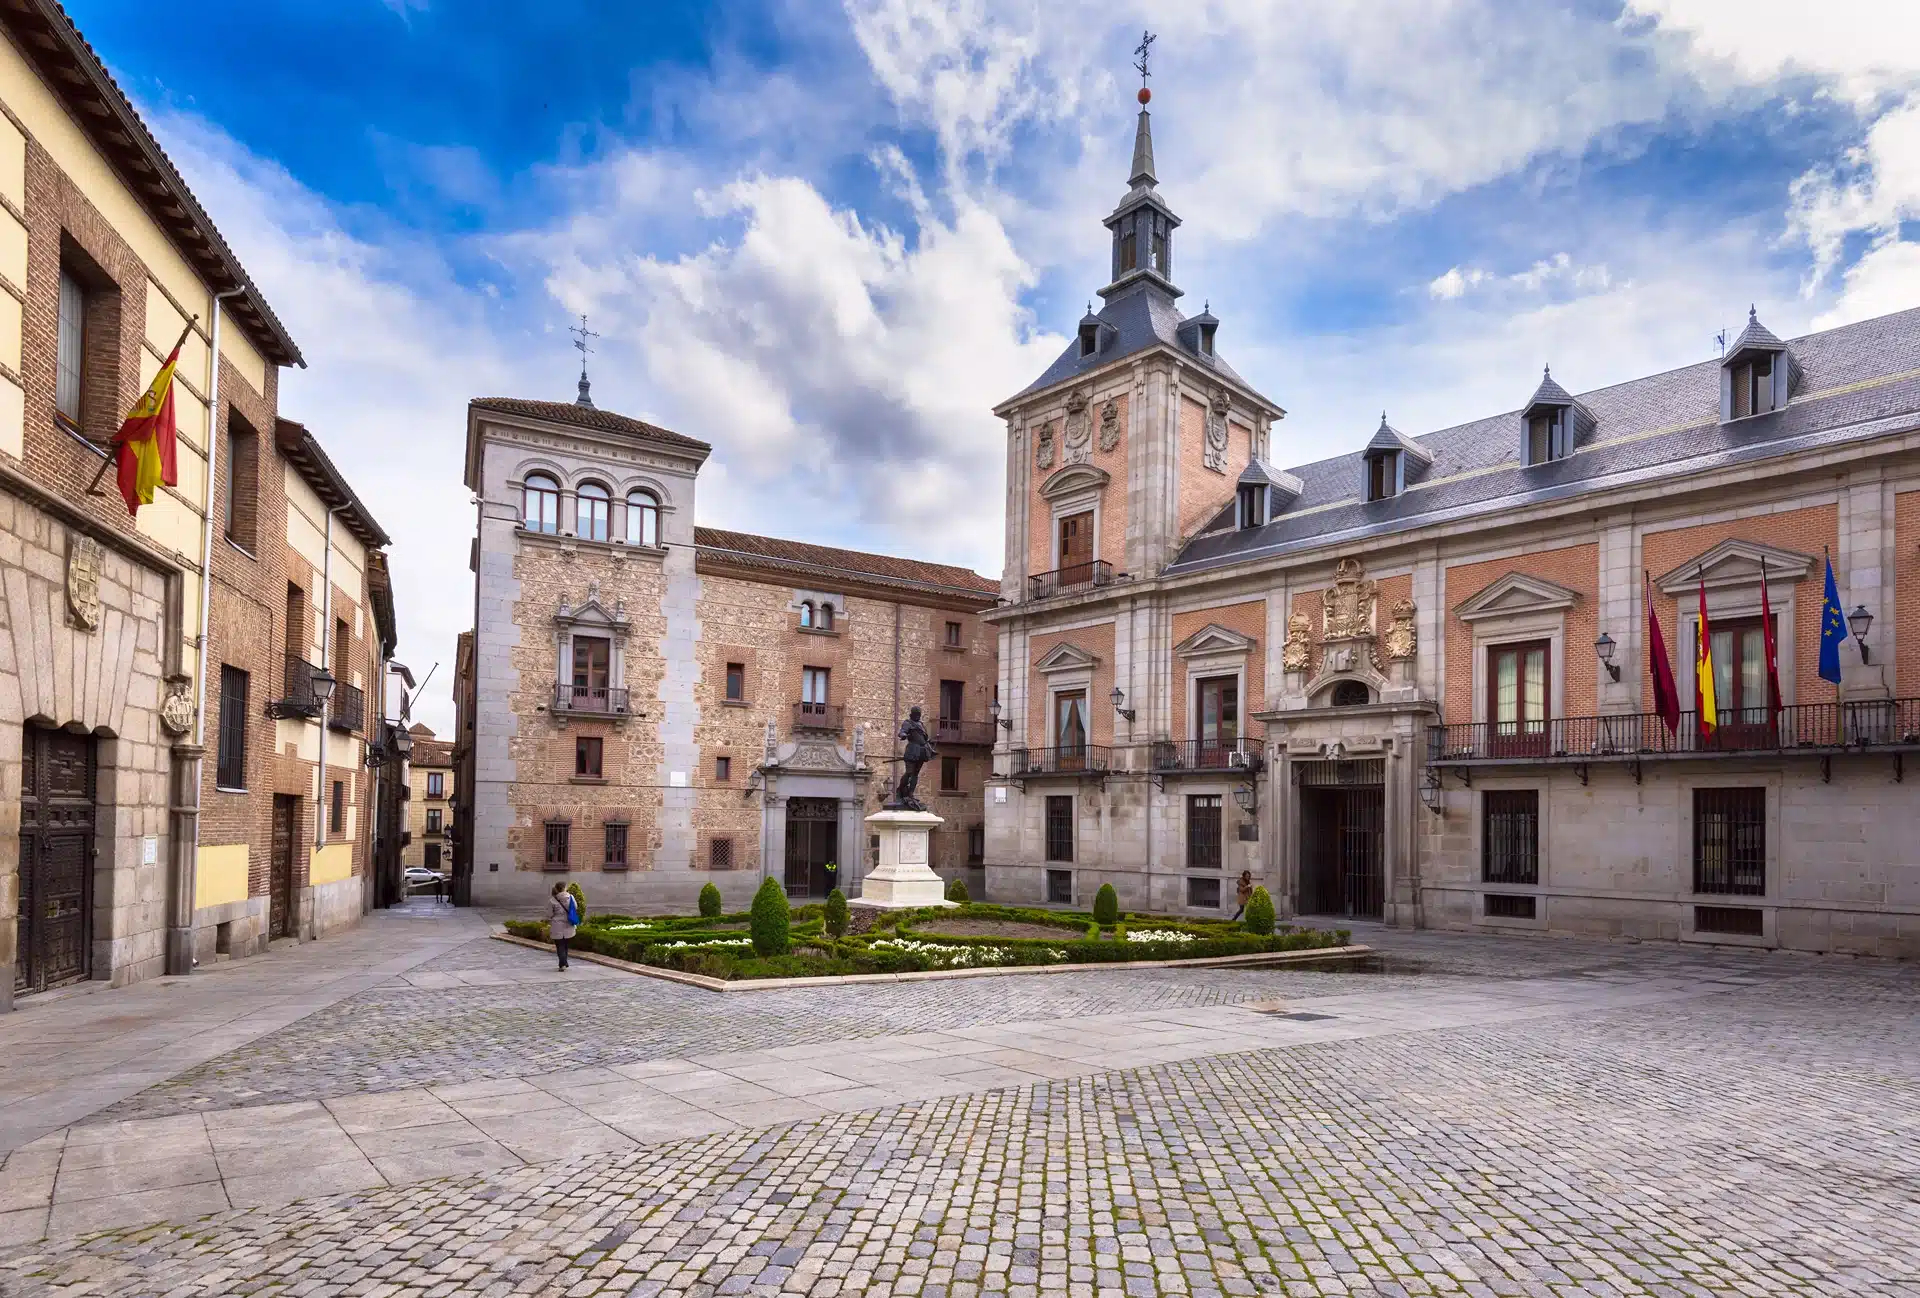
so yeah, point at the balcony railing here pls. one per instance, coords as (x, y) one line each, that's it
(1805, 727)
(1170, 756)
(1079, 576)
(819, 716)
(296, 689)
(348, 708)
(590, 700)
(951, 730)
(1077, 759)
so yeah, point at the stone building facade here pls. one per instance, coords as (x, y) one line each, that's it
(1411, 682)
(653, 705)
(430, 803)
(113, 630)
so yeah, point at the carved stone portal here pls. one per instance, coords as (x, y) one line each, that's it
(84, 558)
(1216, 452)
(1109, 425)
(1401, 640)
(1349, 604)
(1043, 447)
(1077, 446)
(1297, 653)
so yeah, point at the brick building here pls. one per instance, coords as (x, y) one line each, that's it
(118, 858)
(1410, 682)
(430, 803)
(654, 705)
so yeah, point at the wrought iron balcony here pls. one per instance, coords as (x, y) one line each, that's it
(1061, 581)
(1208, 756)
(829, 717)
(1075, 759)
(1811, 728)
(952, 730)
(590, 700)
(296, 690)
(348, 708)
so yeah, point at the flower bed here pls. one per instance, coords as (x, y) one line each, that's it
(912, 941)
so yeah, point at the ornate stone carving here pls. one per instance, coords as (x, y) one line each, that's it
(176, 709)
(1297, 654)
(1349, 604)
(1077, 445)
(1109, 425)
(1216, 450)
(1401, 640)
(772, 754)
(84, 558)
(816, 757)
(1043, 447)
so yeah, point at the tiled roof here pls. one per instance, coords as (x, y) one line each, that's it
(825, 561)
(1859, 380)
(431, 752)
(1142, 318)
(605, 421)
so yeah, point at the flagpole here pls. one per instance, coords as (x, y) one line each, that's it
(93, 488)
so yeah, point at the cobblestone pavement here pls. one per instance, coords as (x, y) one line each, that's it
(1758, 1140)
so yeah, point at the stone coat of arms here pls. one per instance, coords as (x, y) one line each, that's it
(1401, 640)
(1109, 425)
(1349, 604)
(1216, 450)
(1297, 653)
(1077, 445)
(84, 559)
(1043, 447)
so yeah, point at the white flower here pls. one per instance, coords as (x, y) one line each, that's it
(714, 945)
(1165, 935)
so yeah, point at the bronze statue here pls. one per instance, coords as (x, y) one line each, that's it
(918, 753)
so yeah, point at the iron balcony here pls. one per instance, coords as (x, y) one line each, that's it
(1202, 756)
(590, 700)
(1075, 759)
(950, 730)
(347, 711)
(1813, 729)
(1060, 581)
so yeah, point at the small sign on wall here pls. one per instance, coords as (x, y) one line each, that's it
(149, 850)
(1000, 794)
(676, 779)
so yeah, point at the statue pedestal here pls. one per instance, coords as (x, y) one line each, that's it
(903, 879)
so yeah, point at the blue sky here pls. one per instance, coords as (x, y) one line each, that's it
(827, 238)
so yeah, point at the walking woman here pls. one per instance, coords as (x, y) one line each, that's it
(562, 918)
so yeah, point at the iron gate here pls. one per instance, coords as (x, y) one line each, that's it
(1342, 856)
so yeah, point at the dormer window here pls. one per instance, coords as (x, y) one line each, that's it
(1253, 506)
(1547, 434)
(1206, 339)
(1089, 339)
(1383, 475)
(1753, 386)
(1551, 422)
(1758, 375)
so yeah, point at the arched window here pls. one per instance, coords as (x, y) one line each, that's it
(1351, 694)
(826, 616)
(643, 518)
(594, 510)
(540, 500)
(806, 612)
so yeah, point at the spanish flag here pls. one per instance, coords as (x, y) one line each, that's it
(1707, 711)
(146, 454)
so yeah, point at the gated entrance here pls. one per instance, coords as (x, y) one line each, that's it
(286, 813)
(1342, 838)
(813, 837)
(56, 859)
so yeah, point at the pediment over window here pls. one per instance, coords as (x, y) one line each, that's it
(1073, 480)
(1517, 593)
(1065, 658)
(1213, 640)
(1734, 562)
(593, 615)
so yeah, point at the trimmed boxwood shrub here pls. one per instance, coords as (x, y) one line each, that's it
(710, 904)
(1259, 916)
(1106, 906)
(836, 918)
(769, 922)
(580, 898)
(957, 891)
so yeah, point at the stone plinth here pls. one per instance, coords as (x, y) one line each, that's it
(903, 879)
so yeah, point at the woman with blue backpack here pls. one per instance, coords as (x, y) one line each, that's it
(563, 917)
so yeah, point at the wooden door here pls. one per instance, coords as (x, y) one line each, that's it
(1076, 547)
(55, 933)
(280, 877)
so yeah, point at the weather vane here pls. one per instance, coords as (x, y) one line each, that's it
(580, 343)
(1145, 51)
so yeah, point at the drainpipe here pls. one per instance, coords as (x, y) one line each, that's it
(180, 959)
(325, 803)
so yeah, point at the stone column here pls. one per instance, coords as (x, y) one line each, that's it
(1858, 569)
(182, 824)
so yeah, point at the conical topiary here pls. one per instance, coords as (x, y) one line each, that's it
(957, 891)
(710, 904)
(1259, 917)
(768, 923)
(1106, 906)
(836, 913)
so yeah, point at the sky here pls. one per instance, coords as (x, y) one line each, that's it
(829, 238)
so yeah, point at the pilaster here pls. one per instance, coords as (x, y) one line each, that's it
(1864, 577)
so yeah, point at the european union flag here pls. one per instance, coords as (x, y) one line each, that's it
(1833, 630)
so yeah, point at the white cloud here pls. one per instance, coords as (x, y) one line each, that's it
(1558, 272)
(1862, 48)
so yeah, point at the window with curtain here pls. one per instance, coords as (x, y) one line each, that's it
(540, 503)
(1740, 671)
(643, 518)
(1070, 721)
(593, 512)
(813, 689)
(1517, 692)
(1218, 725)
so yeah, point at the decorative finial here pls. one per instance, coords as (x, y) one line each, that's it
(1546, 371)
(1383, 419)
(1206, 306)
(1145, 51)
(580, 342)
(1752, 315)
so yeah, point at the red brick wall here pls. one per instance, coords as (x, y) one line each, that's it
(1096, 640)
(1113, 501)
(1577, 568)
(1906, 596)
(1249, 619)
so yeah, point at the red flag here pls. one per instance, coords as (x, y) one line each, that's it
(1706, 707)
(1773, 654)
(1666, 698)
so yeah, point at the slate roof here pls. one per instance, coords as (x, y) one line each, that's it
(1389, 438)
(605, 421)
(1549, 393)
(1142, 317)
(1259, 473)
(1756, 336)
(1859, 380)
(828, 563)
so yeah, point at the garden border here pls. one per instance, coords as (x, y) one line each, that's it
(929, 975)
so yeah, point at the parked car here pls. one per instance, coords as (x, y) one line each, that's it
(418, 876)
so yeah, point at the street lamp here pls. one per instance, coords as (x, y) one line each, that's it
(1604, 647)
(402, 743)
(321, 685)
(993, 714)
(1119, 696)
(1246, 796)
(1860, 622)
